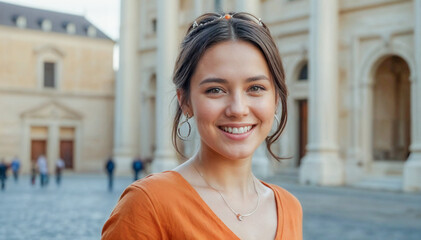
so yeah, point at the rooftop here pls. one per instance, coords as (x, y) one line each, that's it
(49, 21)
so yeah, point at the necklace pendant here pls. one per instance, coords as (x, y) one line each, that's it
(239, 217)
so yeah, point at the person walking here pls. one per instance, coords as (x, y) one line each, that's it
(109, 167)
(59, 168)
(15, 165)
(137, 167)
(43, 170)
(3, 176)
(33, 172)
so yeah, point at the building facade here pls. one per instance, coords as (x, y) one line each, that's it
(353, 69)
(56, 89)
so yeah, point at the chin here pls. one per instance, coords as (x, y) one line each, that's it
(240, 153)
(230, 150)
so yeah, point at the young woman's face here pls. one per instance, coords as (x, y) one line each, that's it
(232, 98)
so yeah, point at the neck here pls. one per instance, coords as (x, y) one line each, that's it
(233, 176)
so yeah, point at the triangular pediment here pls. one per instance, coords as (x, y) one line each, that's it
(52, 110)
(44, 49)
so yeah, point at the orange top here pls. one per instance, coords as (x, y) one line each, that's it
(166, 206)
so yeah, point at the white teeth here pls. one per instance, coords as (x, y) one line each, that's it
(239, 130)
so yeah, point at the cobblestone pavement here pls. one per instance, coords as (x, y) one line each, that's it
(80, 206)
(356, 214)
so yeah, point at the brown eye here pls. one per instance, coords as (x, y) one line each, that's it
(256, 88)
(214, 90)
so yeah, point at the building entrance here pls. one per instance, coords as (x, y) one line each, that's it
(303, 128)
(391, 110)
(38, 147)
(66, 153)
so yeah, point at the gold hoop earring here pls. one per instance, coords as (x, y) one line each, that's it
(180, 125)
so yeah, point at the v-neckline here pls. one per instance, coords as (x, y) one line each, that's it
(278, 202)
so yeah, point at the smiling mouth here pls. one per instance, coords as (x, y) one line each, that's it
(236, 130)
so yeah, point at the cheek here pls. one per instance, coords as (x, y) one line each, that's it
(206, 111)
(265, 111)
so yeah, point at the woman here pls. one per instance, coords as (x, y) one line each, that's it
(229, 78)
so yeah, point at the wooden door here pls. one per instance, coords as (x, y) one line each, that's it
(303, 127)
(38, 147)
(66, 153)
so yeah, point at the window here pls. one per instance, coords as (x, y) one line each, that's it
(91, 31)
(21, 22)
(49, 75)
(303, 75)
(71, 28)
(46, 25)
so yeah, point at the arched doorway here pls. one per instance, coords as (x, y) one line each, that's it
(302, 105)
(391, 110)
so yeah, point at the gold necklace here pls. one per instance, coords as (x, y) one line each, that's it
(238, 215)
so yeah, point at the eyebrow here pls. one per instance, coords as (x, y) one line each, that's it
(221, 80)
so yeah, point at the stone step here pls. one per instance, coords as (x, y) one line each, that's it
(387, 183)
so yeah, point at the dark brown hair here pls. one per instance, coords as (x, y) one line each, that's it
(210, 29)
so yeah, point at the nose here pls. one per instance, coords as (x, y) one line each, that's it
(237, 106)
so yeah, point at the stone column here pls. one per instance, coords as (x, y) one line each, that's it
(198, 8)
(167, 42)
(322, 164)
(25, 152)
(412, 168)
(53, 147)
(126, 113)
(356, 165)
(250, 6)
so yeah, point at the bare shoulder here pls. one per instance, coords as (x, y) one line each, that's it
(159, 183)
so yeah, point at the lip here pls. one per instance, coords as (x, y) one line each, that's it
(236, 125)
(237, 136)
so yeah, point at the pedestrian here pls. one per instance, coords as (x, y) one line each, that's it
(109, 167)
(33, 172)
(3, 173)
(15, 165)
(229, 77)
(43, 170)
(59, 168)
(137, 167)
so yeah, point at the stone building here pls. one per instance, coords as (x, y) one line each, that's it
(56, 89)
(353, 70)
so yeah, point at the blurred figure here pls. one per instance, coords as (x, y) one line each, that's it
(33, 172)
(3, 171)
(43, 170)
(15, 165)
(109, 167)
(137, 167)
(59, 168)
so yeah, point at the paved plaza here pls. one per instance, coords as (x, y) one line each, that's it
(80, 206)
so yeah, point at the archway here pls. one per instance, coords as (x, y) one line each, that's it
(391, 110)
(302, 110)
